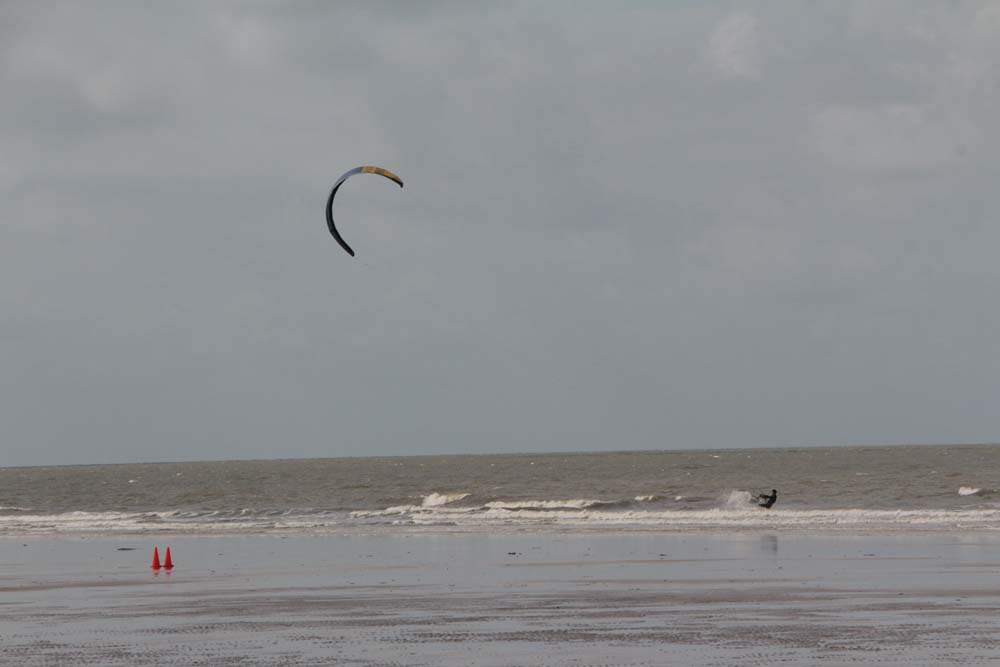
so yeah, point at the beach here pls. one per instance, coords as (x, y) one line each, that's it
(561, 598)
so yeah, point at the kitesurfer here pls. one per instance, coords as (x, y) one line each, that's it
(765, 500)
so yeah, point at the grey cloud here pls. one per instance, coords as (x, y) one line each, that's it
(604, 241)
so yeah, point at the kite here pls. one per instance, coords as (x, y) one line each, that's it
(329, 202)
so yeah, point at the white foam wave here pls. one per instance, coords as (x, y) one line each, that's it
(244, 520)
(438, 499)
(544, 504)
(398, 510)
(968, 490)
(434, 501)
(500, 516)
(844, 519)
(646, 499)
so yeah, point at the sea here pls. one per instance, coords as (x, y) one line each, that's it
(860, 489)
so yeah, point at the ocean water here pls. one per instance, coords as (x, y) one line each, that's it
(919, 488)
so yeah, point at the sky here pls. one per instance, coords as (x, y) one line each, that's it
(640, 226)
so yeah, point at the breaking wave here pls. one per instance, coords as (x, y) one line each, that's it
(438, 499)
(456, 512)
(520, 505)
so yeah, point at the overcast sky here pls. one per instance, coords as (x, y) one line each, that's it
(658, 226)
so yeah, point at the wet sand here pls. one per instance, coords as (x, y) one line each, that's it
(522, 599)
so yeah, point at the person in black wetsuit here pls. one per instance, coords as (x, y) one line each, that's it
(765, 500)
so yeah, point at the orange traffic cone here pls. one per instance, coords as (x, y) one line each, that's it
(167, 563)
(156, 559)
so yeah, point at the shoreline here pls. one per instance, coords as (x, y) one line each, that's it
(570, 530)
